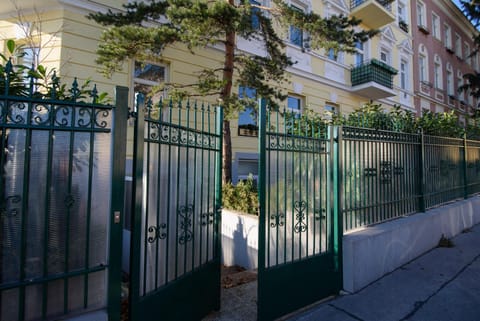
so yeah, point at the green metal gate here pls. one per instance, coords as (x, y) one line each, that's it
(56, 217)
(299, 226)
(175, 253)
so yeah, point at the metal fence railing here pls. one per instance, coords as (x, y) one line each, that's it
(386, 174)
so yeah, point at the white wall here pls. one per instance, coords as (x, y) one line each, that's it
(239, 239)
(371, 253)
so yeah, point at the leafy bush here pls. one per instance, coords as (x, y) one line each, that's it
(242, 197)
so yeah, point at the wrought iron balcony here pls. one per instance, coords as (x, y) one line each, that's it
(373, 79)
(373, 13)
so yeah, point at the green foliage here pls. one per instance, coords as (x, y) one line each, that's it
(40, 83)
(373, 116)
(199, 23)
(242, 197)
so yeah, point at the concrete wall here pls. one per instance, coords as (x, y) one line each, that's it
(370, 253)
(239, 239)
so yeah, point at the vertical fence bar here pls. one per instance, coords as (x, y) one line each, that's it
(421, 176)
(118, 190)
(261, 197)
(465, 160)
(336, 163)
(136, 224)
(218, 197)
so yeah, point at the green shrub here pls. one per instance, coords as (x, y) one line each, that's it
(242, 197)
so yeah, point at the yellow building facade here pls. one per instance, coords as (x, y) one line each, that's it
(65, 40)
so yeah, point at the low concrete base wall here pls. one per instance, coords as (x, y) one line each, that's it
(371, 253)
(239, 239)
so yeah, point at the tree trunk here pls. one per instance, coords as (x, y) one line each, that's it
(227, 153)
(226, 93)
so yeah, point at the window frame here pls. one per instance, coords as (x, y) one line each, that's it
(447, 35)
(421, 14)
(436, 32)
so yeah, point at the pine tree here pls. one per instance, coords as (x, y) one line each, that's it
(145, 29)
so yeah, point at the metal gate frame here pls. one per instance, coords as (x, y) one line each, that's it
(297, 282)
(48, 128)
(194, 291)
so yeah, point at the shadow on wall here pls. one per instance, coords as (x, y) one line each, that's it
(239, 239)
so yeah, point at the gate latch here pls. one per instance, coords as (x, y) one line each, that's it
(116, 217)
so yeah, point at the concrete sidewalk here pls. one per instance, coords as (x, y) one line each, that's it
(441, 285)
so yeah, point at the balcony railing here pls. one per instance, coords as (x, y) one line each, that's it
(373, 70)
(387, 4)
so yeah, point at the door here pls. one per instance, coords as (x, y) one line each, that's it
(299, 239)
(175, 254)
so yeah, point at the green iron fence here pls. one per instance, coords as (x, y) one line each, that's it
(389, 174)
(56, 168)
(175, 259)
(299, 249)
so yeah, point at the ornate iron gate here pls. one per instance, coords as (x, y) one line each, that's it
(175, 254)
(299, 226)
(56, 218)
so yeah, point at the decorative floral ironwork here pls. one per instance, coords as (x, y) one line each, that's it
(104, 113)
(296, 144)
(185, 214)
(69, 201)
(320, 214)
(159, 232)
(41, 114)
(62, 115)
(85, 117)
(207, 218)
(300, 207)
(10, 202)
(278, 220)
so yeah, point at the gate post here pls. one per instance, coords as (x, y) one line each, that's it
(335, 133)
(261, 198)
(137, 203)
(117, 205)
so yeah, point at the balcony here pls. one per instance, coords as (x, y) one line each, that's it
(373, 13)
(373, 79)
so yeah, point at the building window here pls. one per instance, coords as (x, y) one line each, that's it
(247, 119)
(437, 74)
(147, 76)
(404, 74)
(461, 94)
(458, 45)
(466, 52)
(422, 67)
(447, 36)
(450, 85)
(360, 53)
(296, 34)
(421, 17)
(247, 167)
(255, 13)
(385, 56)
(294, 104)
(436, 26)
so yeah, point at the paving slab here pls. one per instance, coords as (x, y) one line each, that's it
(443, 284)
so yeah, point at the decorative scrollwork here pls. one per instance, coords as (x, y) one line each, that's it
(62, 115)
(69, 201)
(185, 214)
(10, 202)
(278, 220)
(207, 218)
(17, 112)
(320, 214)
(103, 113)
(300, 207)
(41, 114)
(154, 131)
(85, 117)
(158, 231)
